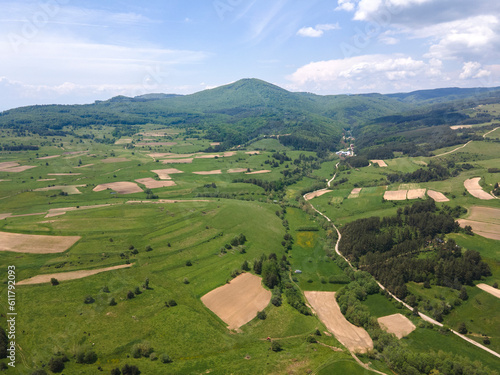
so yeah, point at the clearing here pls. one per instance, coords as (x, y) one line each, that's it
(397, 324)
(489, 289)
(151, 183)
(72, 275)
(122, 187)
(380, 163)
(35, 244)
(437, 196)
(474, 189)
(356, 339)
(239, 301)
(395, 195)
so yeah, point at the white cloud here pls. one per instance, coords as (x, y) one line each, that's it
(472, 69)
(315, 32)
(346, 5)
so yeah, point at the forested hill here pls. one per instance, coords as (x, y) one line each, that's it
(234, 114)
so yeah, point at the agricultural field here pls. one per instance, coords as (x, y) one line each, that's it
(158, 242)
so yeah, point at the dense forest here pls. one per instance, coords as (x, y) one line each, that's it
(410, 247)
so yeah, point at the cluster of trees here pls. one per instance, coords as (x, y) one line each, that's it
(20, 147)
(433, 172)
(388, 248)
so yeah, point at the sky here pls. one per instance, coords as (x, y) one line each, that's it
(75, 52)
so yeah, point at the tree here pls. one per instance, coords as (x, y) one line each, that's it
(116, 371)
(245, 266)
(3, 343)
(105, 289)
(54, 281)
(112, 302)
(137, 291)
(164, 358)
(130, 294)
(39, 372)
(463, 294)
(130, 370)
(88, 299)
(56, 364)
(462, 328)
(262, 315)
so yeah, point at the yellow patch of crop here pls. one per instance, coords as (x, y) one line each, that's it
(306, 239)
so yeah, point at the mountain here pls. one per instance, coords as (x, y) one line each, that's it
(244, 110)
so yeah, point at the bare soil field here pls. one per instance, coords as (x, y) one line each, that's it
(14, 167)
(236, 170)
(72, 275)
(473, 187)
(70, 189)
(61, 211)
(4, 216)
(208, 156)
(416, 193)
(455, 127)
(115, 160)
(63, 174)
(487, 230)
(203, 173)
(177, 161)
(437, 196)
(325, 305)
(164, 174)
(173, 156)
(380, 163)
(35, 244)
(259, 172)
(160, 201)
(395, 195)
(84, 166)
(151, 183)
(489, 289)
(397, 324)
(155, 155)
(48, 157)
(215, 144)
(354, 193)
(239, 301)
(46, 179)
(252, 152)
(485, 214)
(229, 153)
(8, 164)
(314, 194)
(122, 187)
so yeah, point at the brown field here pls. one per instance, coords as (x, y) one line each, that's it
(437, 196)
(215, 144)
(486, 214)
(63, 174)
(16, 168)
(84, 166)
(155, 155)
(72, 275)
(236, 170)
(177, 161)
(155, 133)
(487, 230)
(252, 152)
(35, 244)
(489, 289)
(416, 193)
(8, 164)
(173, 156)
(455, 127)
(70, 189)
(122, 187)
(160, 201)
(395, 195)
(46, 179)
(354, 193)
(314, 194)
(151, 183)
(325, 305)
(207, 156)
(473, 187)
(397, 324)
(239, 301)
(4, 216)
(61, 211)
(229, 153)
(203, 173)
(115, 160)
(49, 157)
(380, 163)
(164, 174)
(259, 172)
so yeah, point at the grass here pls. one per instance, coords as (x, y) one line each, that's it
(380, 306)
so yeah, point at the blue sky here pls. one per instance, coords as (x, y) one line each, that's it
(69, 51)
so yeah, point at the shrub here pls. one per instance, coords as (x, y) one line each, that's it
(137, 291)
(112, 302)
(276, 301)
(164, 358)
(186, 280)
(153, 357)
(130, 370)
(462, 328)
(39, 372)
(149, 248)
(276, 346)
(172, 303)
(141, 350)
(56, 364)
(189, 263)
(105, 289)
(135, 251)
(130, 294)
(54, 281)
(311, 339)
(486, 341)
(116, 371)
(262, 315)
(88, 299)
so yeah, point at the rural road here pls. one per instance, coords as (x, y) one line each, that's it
(423, 316)
(491, 131)
(455, 149)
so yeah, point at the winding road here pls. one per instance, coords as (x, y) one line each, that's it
(423, 316)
